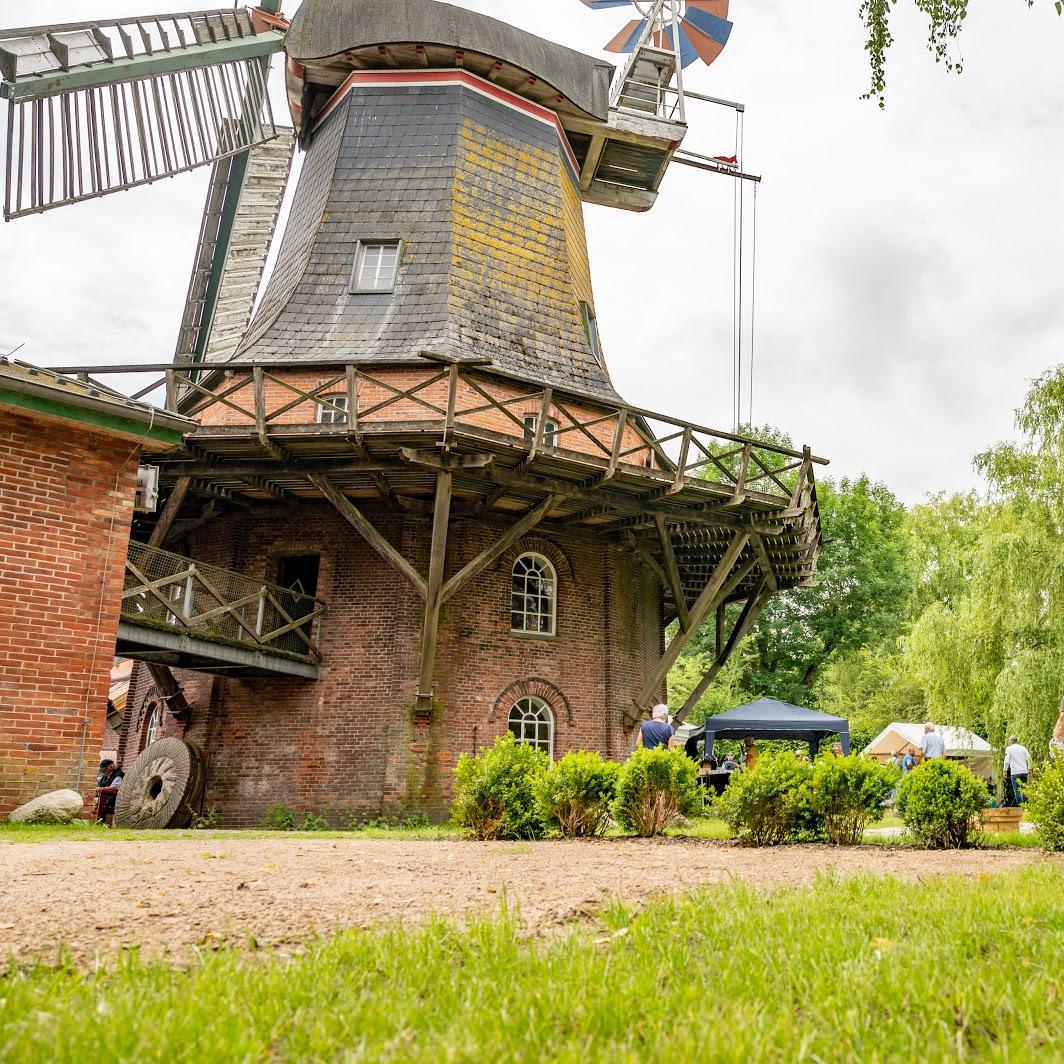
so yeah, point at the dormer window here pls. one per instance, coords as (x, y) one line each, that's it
(376, 264)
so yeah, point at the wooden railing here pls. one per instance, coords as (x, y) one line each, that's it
(170, 592)
(454, 397)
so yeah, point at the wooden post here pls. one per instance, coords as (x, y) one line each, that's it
(751, 609)
(441, 516)
(705, 602)
(350, 513)
(170, 511)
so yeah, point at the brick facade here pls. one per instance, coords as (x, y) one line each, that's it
(66, 499)
(349, 741)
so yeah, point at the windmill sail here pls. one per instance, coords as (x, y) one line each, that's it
(95, 108)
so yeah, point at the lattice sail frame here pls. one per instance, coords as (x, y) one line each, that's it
(97, 108)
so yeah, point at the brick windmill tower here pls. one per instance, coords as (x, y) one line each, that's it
(415, 512)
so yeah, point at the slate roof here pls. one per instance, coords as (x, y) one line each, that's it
(476, 192)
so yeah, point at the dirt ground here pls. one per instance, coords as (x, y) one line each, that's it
(95, 898)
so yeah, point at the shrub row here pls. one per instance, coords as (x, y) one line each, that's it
(511, 791)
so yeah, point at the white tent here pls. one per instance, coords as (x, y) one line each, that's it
(961, 745)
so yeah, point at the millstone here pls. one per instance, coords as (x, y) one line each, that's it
(160, 789)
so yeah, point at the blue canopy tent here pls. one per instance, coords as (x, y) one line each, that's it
(769, 718)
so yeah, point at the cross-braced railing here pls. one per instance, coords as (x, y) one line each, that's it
(170, 592)
(458, 398)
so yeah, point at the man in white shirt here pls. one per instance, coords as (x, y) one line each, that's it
(1018, 767)
(932, 744)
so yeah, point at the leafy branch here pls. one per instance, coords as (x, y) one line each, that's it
(945, 22)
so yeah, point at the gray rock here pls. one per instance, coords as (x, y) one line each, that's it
(56, 807)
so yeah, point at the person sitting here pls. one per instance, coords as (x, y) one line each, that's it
(729, 764)
(107, 784)
(836, 750)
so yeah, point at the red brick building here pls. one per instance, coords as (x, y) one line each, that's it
(69, 455)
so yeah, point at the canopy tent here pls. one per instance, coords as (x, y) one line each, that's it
(768, 718)
(961, 745)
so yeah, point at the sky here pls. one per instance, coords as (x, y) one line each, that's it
(908, 268)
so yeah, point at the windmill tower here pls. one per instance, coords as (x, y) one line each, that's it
(416, 512)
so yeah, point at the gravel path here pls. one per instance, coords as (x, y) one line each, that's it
(166, 896)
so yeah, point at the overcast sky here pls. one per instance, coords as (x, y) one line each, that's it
(909, 266)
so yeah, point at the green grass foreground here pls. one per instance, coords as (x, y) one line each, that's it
(867, 969)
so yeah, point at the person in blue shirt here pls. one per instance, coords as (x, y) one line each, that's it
(657, 731)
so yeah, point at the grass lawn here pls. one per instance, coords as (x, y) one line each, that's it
(868, 969)
(84, 831)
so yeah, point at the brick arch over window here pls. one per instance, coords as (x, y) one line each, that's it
(538, 688)
(538, 545)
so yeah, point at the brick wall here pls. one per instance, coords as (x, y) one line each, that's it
(348, 742)
(66, 498)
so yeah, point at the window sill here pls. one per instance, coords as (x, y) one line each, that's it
(534, 635)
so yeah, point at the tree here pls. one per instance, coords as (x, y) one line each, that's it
(993, 657)
(945, 22)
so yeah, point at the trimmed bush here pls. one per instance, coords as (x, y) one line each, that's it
(575, 794)
(1045, 804)
(771, 803)
(495, 792)
(848, 792)
(938, 802)
(655, 788)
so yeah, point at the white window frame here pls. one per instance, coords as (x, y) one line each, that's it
(155, 722)
(531, 711)
(551, 430)
(358, 284)
(329, 415)
(520, 616)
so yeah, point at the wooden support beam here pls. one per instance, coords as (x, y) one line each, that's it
(591, 162)
(497, 549)
(672, 570)
(259, 383)
(430, 631)
(764, 561)
(354, 517)
(170, 511)
(754, 604)
(706, 601)
(170, 691)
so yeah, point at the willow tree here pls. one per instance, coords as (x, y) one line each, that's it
(993, 658)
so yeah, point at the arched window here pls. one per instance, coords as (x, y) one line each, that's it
(532, 722)
(533, 591)
(153, 727)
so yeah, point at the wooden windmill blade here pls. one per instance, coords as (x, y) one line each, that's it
(99, 107)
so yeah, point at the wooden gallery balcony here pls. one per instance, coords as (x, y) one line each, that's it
(722, 519)
(181, 613)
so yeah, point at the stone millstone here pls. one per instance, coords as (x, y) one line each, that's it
(56, 807)
(162, 787)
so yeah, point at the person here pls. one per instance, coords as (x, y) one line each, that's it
(657, 731)
(836, 750)
(932, 744)
(800, 755)
(1056, 744)
(107, 784)
(730, 764)
(750, 754)
(908, 761)
(1018, 766)
(894, 759)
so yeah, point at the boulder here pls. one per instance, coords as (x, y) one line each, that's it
(56, 807)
